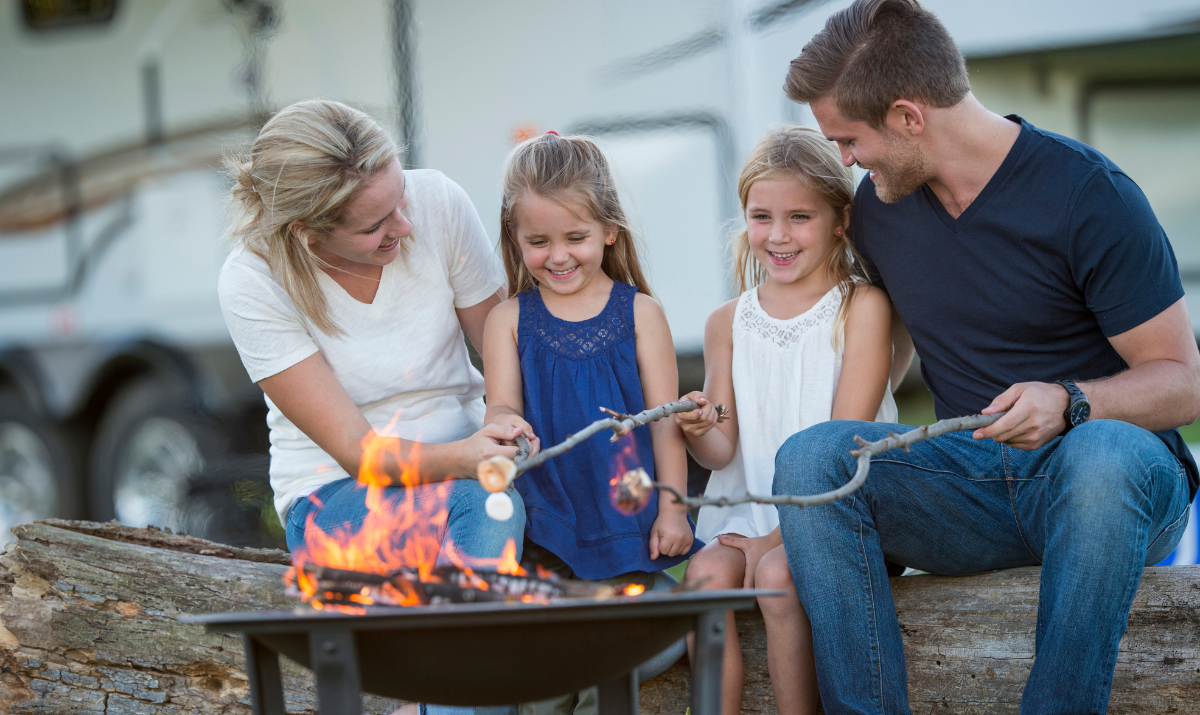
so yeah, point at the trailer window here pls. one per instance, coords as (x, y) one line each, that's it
(44, 15)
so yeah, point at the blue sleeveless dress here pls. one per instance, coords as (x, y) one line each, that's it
(570, 370)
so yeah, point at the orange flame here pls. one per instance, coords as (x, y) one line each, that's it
(398, 532)
(634, 589)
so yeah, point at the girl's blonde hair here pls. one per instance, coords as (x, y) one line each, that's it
(571, 170)
(307, 163)
(804, 154)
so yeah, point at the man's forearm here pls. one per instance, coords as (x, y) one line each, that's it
(1156, 395)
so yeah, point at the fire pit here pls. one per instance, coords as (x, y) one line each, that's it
(492, 653)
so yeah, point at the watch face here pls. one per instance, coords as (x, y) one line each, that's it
(1080, 412)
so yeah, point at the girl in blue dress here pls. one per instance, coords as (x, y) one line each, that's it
(580, 331)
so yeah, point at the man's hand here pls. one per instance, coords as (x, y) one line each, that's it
(1035, 415)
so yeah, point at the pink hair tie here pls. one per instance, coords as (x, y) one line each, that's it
(552, 132)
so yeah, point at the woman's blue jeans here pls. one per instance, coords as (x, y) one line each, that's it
(473, 532)
(1092, 508)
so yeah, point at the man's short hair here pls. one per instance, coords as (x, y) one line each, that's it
(875, 52)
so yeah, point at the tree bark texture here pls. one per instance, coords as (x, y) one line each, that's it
(88, 624)
(968, 645)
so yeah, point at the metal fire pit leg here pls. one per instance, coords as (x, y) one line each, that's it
(619, 696)
(706, 664)
(266, 685)
(334, 662)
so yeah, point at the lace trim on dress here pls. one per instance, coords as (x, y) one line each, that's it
(786, 333)
(586, 338)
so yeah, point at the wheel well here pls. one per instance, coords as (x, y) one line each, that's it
(118, 371)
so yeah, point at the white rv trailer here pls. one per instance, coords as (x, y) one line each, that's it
(117, 377)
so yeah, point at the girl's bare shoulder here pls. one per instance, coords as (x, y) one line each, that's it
(646, 307)
(720, 321)
(506, 314)
(869, 298)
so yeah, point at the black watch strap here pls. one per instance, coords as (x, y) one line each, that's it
(1078, 408)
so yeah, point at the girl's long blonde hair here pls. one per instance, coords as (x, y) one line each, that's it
(572, 170)
(804, 154)
(307, 163)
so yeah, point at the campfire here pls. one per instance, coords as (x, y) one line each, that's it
(392, 558)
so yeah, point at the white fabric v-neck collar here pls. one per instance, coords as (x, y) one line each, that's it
(332, 288)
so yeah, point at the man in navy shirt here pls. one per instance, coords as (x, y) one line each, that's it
(1033, 279)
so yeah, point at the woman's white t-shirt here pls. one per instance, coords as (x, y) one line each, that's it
(402, 359)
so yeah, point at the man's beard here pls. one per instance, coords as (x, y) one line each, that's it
(904, 172)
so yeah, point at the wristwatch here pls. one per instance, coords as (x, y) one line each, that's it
(1078, 409)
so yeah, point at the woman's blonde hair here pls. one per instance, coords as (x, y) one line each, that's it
(307, 163)
(571, 170)
(804, 154)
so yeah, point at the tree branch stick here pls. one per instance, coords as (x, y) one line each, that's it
(620, 424)
(496, 473)
(864, 453)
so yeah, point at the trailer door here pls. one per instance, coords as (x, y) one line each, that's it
(670, 185)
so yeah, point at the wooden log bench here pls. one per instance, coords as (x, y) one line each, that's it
(88, 624)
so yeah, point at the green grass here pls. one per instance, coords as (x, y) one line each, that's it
(915, 406)
(1191, 433)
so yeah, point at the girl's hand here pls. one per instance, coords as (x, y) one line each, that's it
(697, 423)
(670, 535)
(512, 421)
(754, 547)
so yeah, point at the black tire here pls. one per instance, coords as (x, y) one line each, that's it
(230, 502)
(150, 444)
(39, 467)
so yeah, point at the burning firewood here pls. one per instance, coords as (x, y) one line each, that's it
(351, 590)
(631, 491)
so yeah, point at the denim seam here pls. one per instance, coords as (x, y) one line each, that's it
(874, 618)
(1012, 500)
(1111, 661)
(929, 470)
(1181, 519)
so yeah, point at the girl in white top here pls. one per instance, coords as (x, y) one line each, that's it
(807, 341)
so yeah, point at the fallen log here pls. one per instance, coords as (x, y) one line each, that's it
(88, 625)
(968, 644)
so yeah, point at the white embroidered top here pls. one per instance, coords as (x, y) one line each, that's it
(785, 376)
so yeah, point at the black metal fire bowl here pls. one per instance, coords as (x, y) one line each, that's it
(479, 653)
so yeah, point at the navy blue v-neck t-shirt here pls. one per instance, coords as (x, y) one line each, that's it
(1058, 253)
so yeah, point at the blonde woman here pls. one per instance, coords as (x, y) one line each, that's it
(347, 296)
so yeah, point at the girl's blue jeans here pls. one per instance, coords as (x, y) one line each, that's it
(468, 525)
(1092, 508)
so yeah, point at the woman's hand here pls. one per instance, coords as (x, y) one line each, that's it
(671, 535)
(697, 423)
(493, 440)
(754, 547)
(512, 421)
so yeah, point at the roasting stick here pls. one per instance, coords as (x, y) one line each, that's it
(864, 453)
(634, 487)
(495, 474)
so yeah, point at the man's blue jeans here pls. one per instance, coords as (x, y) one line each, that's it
(473, 532)
(1092, 507)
